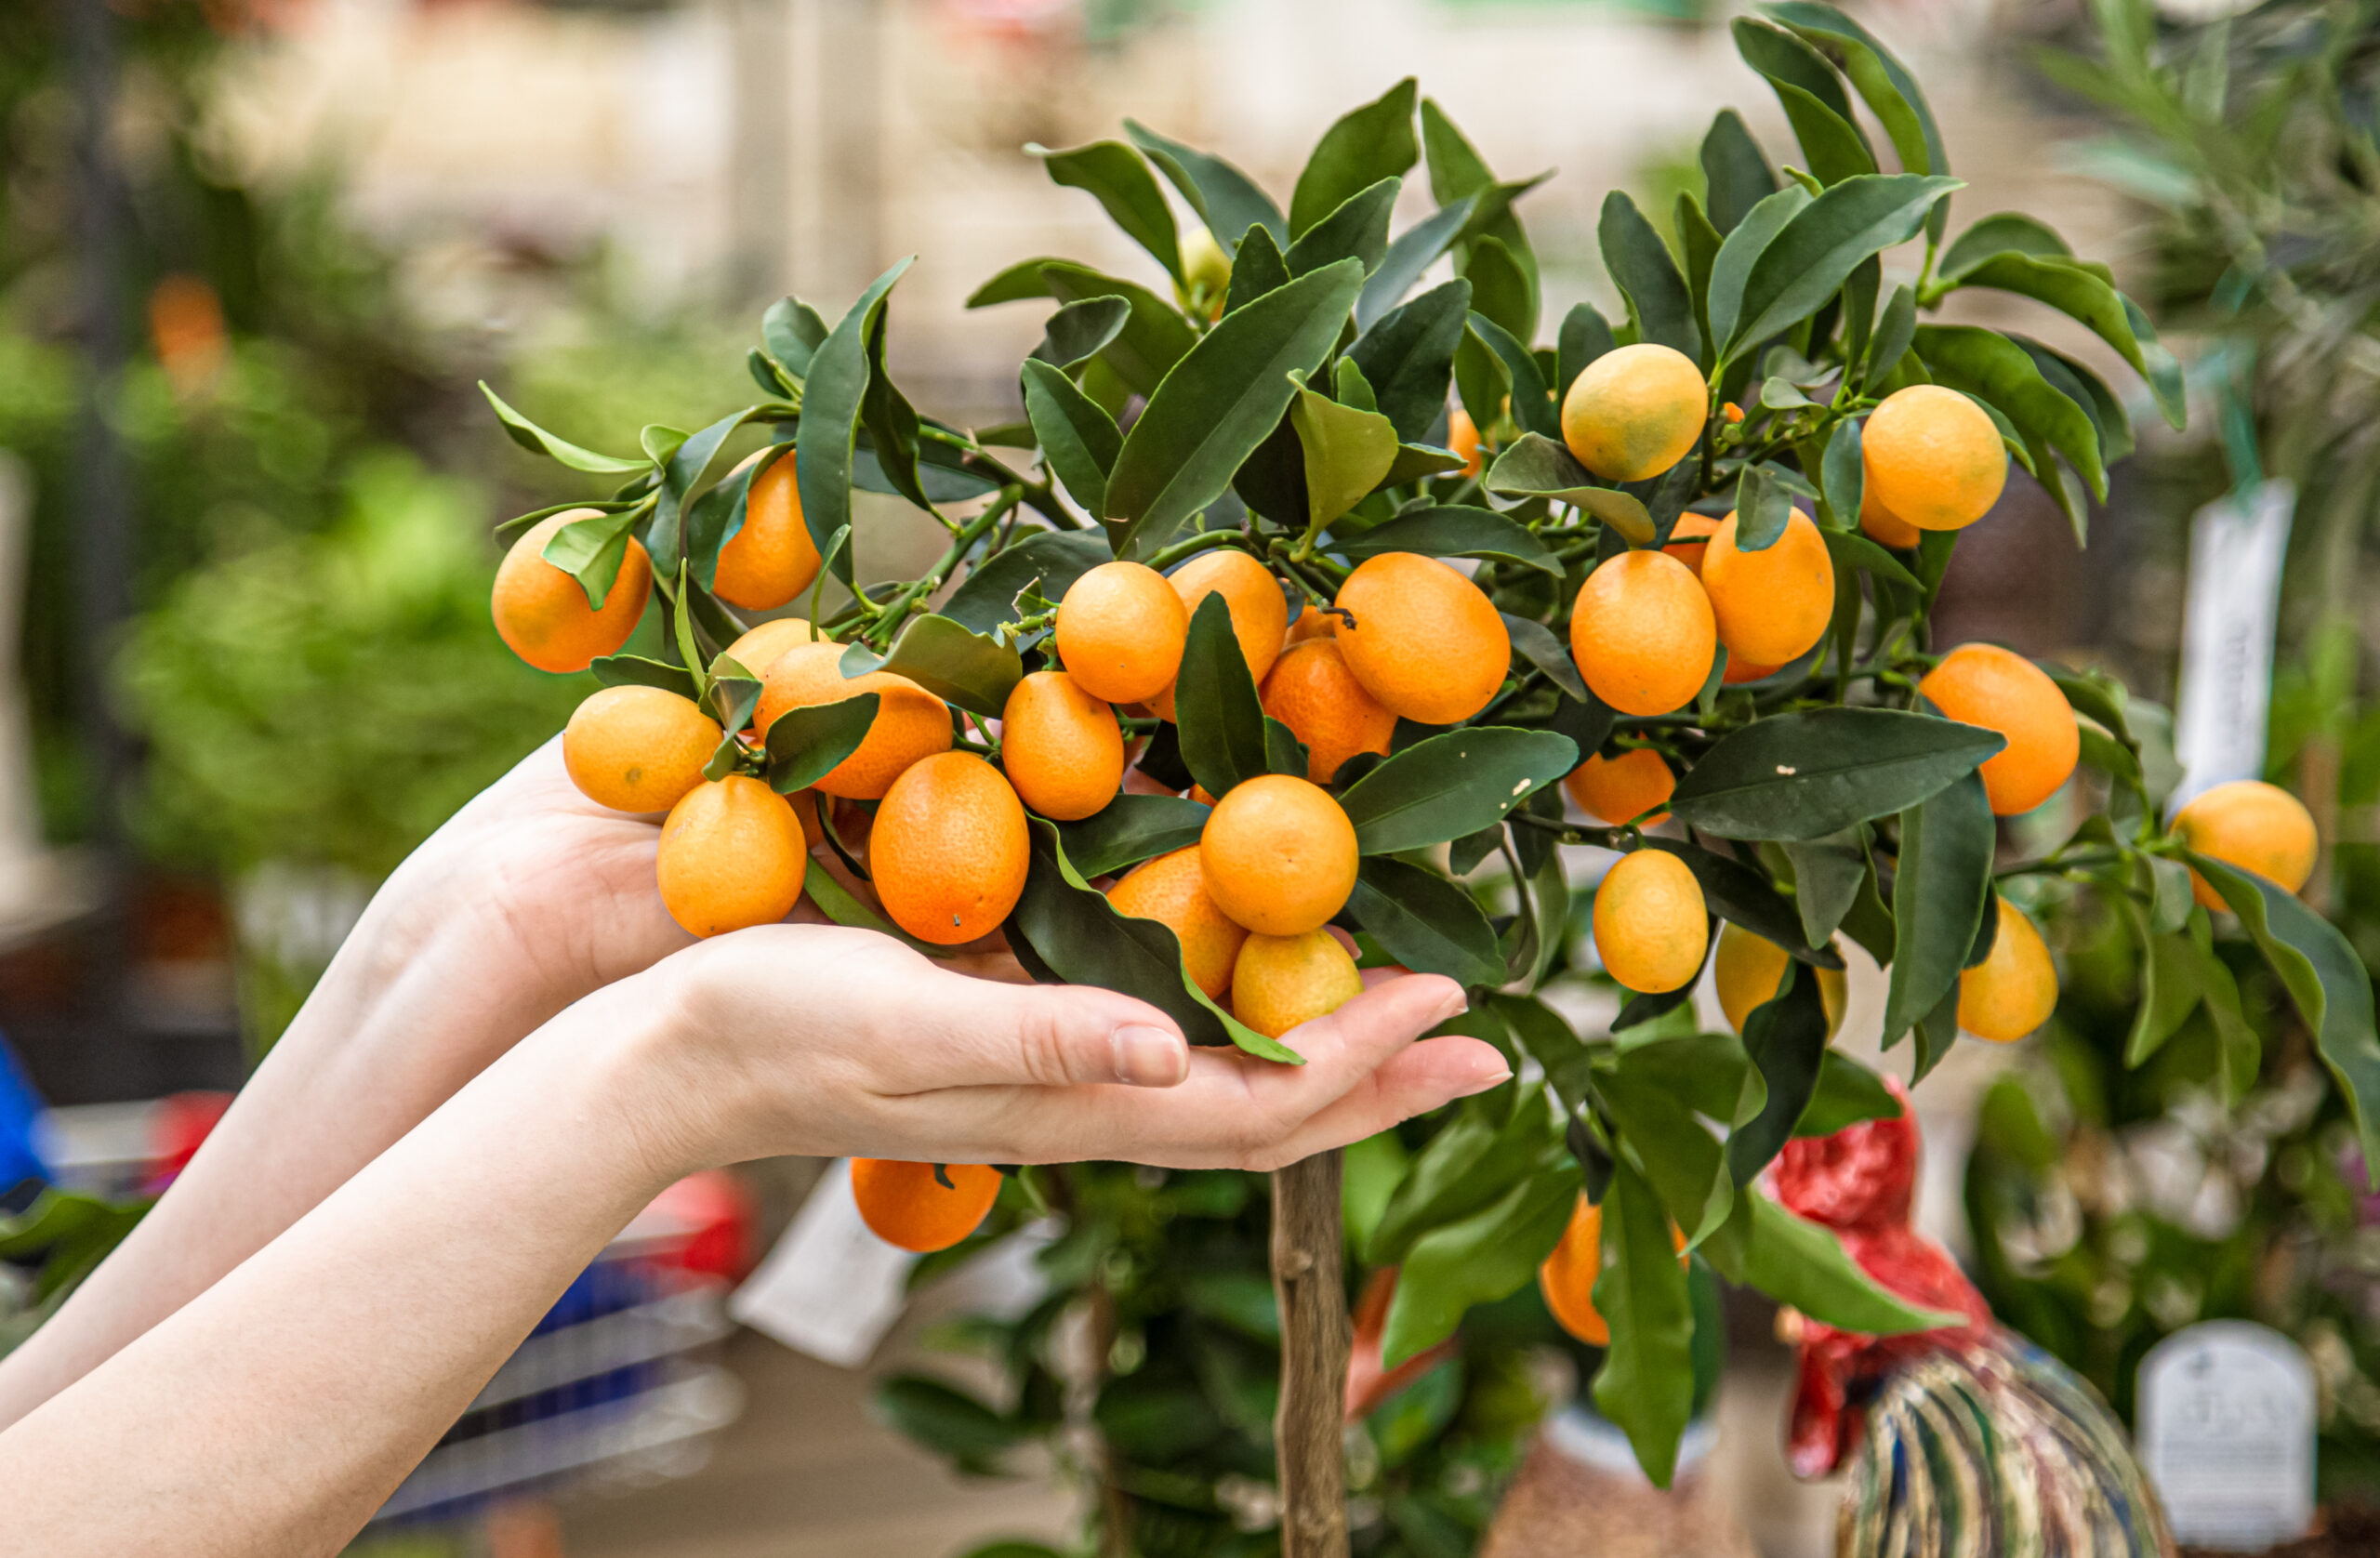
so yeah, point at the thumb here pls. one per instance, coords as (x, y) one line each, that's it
(1056, 1036)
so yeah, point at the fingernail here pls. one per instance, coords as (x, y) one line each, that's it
(1483, 1084)
(1147, 1057)
(1454, 1006)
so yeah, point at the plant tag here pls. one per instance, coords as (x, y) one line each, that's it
(2227, 1434)
(830, 1288)
(2236, 548)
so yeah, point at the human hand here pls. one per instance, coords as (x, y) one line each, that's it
(824, 1041)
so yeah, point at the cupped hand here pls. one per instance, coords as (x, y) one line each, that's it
(825, 1041)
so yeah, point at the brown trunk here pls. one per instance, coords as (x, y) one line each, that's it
(1307, 1235)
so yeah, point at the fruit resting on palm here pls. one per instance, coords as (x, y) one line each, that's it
(1968, 1439)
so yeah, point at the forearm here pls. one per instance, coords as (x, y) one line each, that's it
(395, 1026)
(273, 1413)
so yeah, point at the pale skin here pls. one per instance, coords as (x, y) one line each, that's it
(512, 1054)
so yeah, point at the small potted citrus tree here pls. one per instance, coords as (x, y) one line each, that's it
(1297, 593)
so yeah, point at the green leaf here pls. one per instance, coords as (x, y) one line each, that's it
(2004, 233)
(1764, 506)
(1358, 230)
(1660, 307)
(805, 742)
(1080, 440)
(2169, 986)
(1347, 452)
(1452, 530)
(1743, 246)
(1584, 337)
(1827, 874)
(1817, 250)
(1228, 201)
(1672, 1148)
(1450, 784)
(1831, 144)
(1787, 59)
(837, 903)
(1536, 466)
(793, 333)
(591, 551)
(1536, 643)
(635, 670)
(1804, 774)
(942, 1419)
(1532, 408)
(1646, 1382)
(1502, 287)
(1896, 327)
(1425, 922)
(1222, 401)
(1259, 270)
(1700, 242)
(1414, 251)
(950, 659)
(833, 397)
(1491, 1145)
(1365, 146)
(1153, 339)
(1991, 367)
(1078, 332)
(2088, 391)
(1114, 174)
(1081, 938)
(1800, 1263)
(1047, 563)
(1408, 357)
(1221, 721)
(535, 439)
(2075, 289)
(1891, 92)
(1941, 891)
(1850, 549)
(1130, 829)
(1481, 377)
(1848, 1093)
(1735, 171)
(2325, 980)
(1416, 462)
(1842, 476)
(1485, 1257)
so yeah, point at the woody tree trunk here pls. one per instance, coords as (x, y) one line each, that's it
(1307, 1238)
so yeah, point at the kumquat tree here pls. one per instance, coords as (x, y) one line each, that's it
(1197, 682)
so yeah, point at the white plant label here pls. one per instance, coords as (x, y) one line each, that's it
(830, 1288)
(2227, 1434)
(2237, 544)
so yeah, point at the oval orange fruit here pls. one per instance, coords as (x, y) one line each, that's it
(949, 848)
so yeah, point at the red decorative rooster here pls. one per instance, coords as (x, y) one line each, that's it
(1966, 1442)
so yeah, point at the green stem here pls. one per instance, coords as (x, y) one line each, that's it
(1191, 546)
(896, 610)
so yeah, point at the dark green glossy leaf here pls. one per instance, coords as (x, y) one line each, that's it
(1538, 466)
(1221, 722)
(1452, 785)
(1701, 241)
(2169, 986)
(833, 397)
(1532, 408)
(1130, 829)
(2074, 288)
(1743, 246)
(1735, 171)
(1358, 230)
(1896, 327)
(1453, 530)
(955, 663)
(1114, 174)
(1671, 1147)
(1080, 937)
(1891, 92)
(1641, 266)
(1078, 438)
(1365, 146)
(1584, 337)
(683, 470)
(535, 439)
(1048, 564)
(1425, 922)
(1742, 896)
(2006, 232)
(1842, 476)
(1785, 59)
(1646, 1382)
(1850, 549)
(1414, 251)
(1077, 331)
(1763, 507)
(1491, 1145)
(793, 333)
(1817, 250)
(1803, 1264)
(1827, 875)
(1226, 199)
(2088, 391)
(2325, 980)
(1153, 338)
(1786, 1037)
(1502, 287)
(1259, 270)
(1536, 643)
(1481, 377)
(1941, 891)
(1408, 357)
(1804, 774)
(806, 743)
(591, 551)
(635, 670)
(1833, 145)
(1222, 401)
(1478, 1259)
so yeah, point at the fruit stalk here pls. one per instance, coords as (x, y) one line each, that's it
(1307, 1238)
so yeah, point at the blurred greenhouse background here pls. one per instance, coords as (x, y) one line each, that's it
(255, 254)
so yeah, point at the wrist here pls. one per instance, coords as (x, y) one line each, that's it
(638, 1050)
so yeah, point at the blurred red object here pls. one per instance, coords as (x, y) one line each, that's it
(176, 1127)
(716, 1213)
(1369, 1383)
